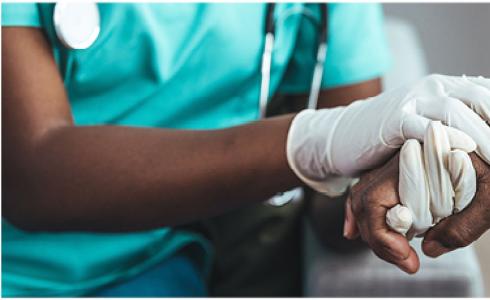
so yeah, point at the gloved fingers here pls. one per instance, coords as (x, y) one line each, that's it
(480, 80)
(473, 91)
(454, 113)
(350, 223)
(436, 150)
(477, 98)
(413, 186)
(415, 127)
(463, 178)
(460, 140)
(400, 219)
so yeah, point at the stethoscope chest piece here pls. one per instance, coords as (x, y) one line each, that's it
(77, 25)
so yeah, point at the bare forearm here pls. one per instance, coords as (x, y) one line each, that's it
(119, 178)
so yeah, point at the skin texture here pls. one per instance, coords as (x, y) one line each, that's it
(59, 177)
(340, 96)
(377, 192)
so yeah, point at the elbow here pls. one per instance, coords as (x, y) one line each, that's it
(24, 219)
(31, 197)
(26, 209)
(24, 223)
(26, 214)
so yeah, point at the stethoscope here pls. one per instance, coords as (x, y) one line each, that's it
(316, 81)
(77, 26)
(321, 54)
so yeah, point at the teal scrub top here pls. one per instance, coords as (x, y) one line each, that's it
(193, 66)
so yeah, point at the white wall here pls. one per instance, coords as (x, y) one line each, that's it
(455, 37)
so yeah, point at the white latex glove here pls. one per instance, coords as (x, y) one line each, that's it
(434, 183)
(327, 145)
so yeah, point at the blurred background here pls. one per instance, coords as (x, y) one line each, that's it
(455, 38)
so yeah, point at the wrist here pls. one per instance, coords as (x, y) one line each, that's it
(308, 151)
(273, 150)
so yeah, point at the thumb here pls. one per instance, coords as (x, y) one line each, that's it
(461, 229)
(456, 231)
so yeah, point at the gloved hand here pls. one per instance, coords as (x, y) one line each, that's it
(327, 145)
(434, 183)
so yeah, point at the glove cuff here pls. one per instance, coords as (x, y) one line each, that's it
(305, 150)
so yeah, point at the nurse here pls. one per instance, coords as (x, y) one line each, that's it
(107, 149)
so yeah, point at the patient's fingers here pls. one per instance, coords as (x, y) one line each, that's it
(388, 245)
(410, 264)
(376, 192)
(350, 224)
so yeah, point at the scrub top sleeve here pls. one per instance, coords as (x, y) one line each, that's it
(358, 50)
(21, 14)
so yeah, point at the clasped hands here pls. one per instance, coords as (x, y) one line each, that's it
(377, 192)
(439, 193)
(327, 147)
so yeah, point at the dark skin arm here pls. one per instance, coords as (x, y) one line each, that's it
(59, 177)
(340, 96)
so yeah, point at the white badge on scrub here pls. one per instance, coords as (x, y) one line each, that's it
(77, 25)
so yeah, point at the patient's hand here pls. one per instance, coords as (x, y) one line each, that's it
(366, 208)
(377, 191)
(462, 229)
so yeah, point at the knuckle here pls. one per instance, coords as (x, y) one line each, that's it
(357, 205)
(376, 243)
(373, 198)
(457, 238)
(447, 104)
(381, 253)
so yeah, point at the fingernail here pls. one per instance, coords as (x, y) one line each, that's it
(345, 228)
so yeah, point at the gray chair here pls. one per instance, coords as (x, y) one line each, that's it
(332, 274)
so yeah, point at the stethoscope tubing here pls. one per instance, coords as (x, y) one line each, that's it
(316, 81)
(71, 38)
(267, 59)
